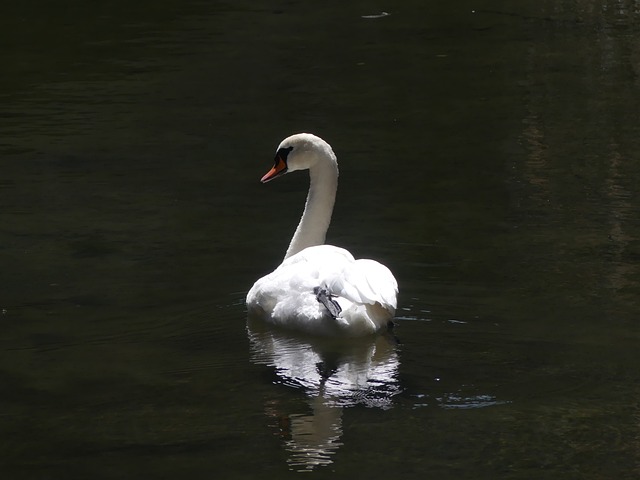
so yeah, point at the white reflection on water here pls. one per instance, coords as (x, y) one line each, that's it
(333, 374)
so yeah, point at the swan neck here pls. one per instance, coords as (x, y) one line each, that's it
(313, 226)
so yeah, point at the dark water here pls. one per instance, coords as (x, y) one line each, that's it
(489, 156)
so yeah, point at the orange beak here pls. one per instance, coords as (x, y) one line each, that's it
(278, 169)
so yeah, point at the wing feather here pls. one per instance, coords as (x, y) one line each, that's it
(365, 281)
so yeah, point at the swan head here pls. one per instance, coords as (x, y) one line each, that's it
(301, 151)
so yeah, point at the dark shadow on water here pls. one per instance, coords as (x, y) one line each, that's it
(333, 373)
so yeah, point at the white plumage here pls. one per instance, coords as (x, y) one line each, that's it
(364, 290)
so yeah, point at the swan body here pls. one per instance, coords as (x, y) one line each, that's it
(321, 289)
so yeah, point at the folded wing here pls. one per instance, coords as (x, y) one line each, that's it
(365, 281)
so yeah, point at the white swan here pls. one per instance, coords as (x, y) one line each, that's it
(321, 289)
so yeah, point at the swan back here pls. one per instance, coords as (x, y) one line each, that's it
(364, 289)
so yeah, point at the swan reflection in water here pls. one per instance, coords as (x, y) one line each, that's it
(334, 373)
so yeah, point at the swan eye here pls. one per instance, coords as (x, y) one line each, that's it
(283, 153)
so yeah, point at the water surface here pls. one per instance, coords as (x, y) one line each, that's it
(488, 155)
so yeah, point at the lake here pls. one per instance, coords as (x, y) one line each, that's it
(489, 156)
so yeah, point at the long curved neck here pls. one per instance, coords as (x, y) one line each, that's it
(316, 217)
